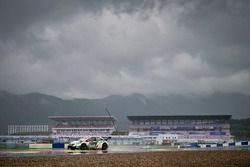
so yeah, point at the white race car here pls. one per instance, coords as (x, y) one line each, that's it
(93, 143)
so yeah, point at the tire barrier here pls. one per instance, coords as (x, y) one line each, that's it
(58, 145)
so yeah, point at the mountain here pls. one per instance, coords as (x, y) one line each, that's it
(34, 108)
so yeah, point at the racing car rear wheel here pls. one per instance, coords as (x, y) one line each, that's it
(84, 147)
(104, 146)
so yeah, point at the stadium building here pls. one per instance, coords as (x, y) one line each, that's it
(81, 126)
(185, 128)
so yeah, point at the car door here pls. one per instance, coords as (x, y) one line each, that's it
(92, 142)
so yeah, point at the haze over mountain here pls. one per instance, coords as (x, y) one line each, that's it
(34, 108)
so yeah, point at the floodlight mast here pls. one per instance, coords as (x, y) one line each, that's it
(107, 110)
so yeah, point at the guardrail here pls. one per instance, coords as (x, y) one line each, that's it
(232, 144)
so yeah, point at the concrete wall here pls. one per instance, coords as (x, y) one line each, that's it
(40, 146)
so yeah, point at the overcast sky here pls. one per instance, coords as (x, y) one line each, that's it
(95, 48)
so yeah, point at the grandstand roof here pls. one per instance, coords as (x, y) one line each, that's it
(74, 118)
(161, 117)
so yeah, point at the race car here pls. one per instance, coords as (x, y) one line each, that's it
(92, 143)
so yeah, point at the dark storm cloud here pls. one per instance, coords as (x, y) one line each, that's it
(223, 28)
(97, 48)
(17, 15)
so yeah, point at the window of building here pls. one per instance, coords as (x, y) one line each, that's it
(204, 121)
(211, 121)
(141, 122)
(193, 121)
(198, 121)
(181, 121)
(136, 122)
(158, 122)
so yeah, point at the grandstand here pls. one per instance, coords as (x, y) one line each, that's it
(82, 126)
(185, 128)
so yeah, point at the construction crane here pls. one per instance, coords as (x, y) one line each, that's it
(107, 110)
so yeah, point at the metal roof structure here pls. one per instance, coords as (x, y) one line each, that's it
(81, 118)
(182, 117)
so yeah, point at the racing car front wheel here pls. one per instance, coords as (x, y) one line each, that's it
(84, 147)
(104, 146)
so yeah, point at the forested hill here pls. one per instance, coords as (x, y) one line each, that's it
(240, 128)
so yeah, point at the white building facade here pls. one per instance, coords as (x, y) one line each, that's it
(20, 129)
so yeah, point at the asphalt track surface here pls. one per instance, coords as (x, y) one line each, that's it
(54, 152)
(111, 150)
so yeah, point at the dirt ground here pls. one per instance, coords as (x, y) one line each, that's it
(163, 159)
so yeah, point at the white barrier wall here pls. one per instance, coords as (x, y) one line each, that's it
(232, 144)
(40, 146)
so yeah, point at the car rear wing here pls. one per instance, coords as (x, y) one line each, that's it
(106, 138)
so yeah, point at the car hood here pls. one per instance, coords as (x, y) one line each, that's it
(74, 142)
